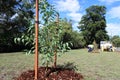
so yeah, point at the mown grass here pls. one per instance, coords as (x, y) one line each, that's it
(93, 66)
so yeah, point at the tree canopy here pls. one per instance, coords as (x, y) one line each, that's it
(15, 17)
(93, 24)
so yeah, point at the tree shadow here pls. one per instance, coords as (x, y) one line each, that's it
(68, 65)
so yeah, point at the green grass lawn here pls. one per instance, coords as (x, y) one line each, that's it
(93, 66)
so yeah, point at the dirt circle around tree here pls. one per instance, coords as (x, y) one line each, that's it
(51, 74)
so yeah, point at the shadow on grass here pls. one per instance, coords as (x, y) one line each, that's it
(68, 65)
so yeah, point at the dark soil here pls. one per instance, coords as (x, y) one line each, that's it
(51, 74)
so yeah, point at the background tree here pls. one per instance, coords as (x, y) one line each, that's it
(71, 36)
(116, 41)
(93, 25)
(77, 40)
(15, 17)
(67, 30)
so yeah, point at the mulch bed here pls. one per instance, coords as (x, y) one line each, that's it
(51, 74)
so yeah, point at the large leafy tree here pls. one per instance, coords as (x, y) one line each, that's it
(15, 18)
(93, 25)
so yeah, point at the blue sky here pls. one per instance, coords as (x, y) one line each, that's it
(75, 9)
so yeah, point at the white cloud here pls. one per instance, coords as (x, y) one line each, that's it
(113, 29)
(67, 5)
(72, 8)
(75, 16)
(109, 1)
(114, 12)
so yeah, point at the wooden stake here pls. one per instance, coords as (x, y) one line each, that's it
(36, 40)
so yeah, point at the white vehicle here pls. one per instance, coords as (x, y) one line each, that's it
(106, 45)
